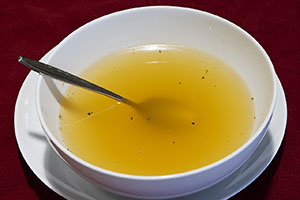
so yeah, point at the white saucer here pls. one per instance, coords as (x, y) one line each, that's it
(59, 177)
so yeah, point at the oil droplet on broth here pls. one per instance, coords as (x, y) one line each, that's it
(184, 96)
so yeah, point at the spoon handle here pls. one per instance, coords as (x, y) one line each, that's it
(66, 77)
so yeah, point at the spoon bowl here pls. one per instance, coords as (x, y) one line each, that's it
(166, 113)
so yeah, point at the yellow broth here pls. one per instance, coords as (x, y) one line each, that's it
(193, 110)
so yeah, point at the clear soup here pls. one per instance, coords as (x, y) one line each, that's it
(193, 110)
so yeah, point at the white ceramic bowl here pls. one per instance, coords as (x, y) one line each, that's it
(171, 25)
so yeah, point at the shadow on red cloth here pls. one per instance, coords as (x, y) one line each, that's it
(39, 188)
(260, 187)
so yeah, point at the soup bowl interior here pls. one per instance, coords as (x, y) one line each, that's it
(156, 25)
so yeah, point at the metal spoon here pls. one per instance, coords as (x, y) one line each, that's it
(165, 109)
(68, 77)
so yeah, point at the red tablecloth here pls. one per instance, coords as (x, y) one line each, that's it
(32, 28)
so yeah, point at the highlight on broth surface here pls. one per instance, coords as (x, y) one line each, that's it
(194, 110)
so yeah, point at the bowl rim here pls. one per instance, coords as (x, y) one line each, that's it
(51, 137)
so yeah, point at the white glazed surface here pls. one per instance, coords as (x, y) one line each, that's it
(158, 25)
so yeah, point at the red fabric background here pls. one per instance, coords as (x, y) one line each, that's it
(32, 28)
